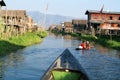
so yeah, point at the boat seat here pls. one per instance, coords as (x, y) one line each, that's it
(65, 75)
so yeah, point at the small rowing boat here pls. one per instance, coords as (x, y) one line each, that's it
(78, 48)
(65, 67)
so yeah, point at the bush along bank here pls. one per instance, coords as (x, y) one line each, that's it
(111, 43)
(14, 43)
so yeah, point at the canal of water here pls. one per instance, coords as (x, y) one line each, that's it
(30, 63)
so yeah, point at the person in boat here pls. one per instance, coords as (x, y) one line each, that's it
(87, 45)
(82, 45)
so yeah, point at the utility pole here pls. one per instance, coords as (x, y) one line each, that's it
(44, 21)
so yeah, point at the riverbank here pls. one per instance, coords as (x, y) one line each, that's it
(14, 43)
(103, 40)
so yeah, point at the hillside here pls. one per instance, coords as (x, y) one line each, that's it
(50, 19)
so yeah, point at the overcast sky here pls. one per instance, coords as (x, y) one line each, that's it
(73, 8)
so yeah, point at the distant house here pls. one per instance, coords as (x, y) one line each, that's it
(30, 24)
(68, 27)
(58, 27)
(55, 27)
(79, 25)
(103, 22)
(51, 27)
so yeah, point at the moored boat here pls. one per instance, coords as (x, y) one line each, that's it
(65, 67)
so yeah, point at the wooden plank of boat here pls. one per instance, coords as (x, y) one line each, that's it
(65, 67)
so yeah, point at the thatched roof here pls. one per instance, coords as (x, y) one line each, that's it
(75, 21)
(14, 13)
(67, 23)
(2, 3)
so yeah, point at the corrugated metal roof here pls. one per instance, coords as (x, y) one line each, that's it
(96, 11)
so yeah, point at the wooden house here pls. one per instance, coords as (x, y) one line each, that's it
(18, 20)
(103, 22)
(55, 27)
(15, 19)
(68, 27)
(79, 25)
(30, 24)
(52, 27)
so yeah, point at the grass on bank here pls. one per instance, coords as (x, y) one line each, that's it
(17, 42)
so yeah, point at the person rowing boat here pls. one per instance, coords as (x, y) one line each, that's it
(83, 45)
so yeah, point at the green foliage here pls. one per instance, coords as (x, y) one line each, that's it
(75, 35)
(42, 34)
(113, 43)
(28, 38)
(63, 75)
(1, 23)
(16, 42)
(25, 40)
(7, 47)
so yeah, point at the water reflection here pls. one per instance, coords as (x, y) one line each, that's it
(13, 59)
(68, 37)
(8, 62)
(107, 51)
(1, 69)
